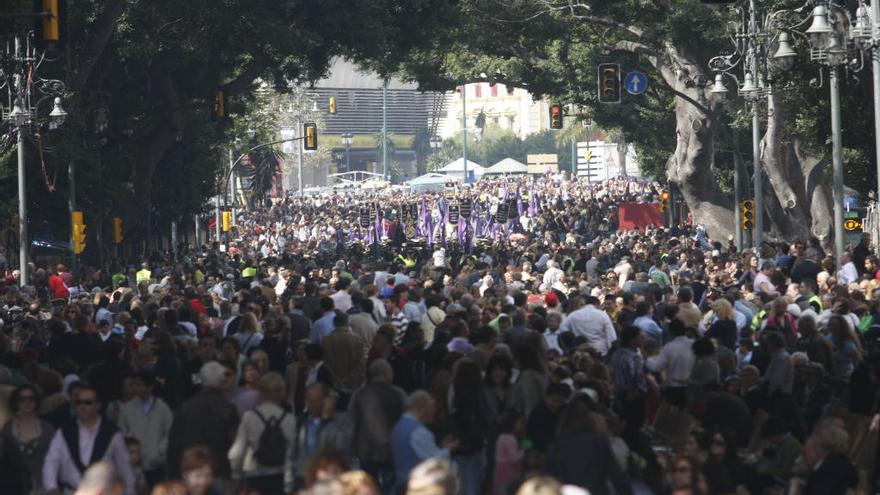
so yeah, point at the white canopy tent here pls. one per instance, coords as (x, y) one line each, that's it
(431, 181)
(507, 166)
(456, 169)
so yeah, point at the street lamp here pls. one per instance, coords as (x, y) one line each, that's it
(27, 91)
(829, 37)
(347, 139)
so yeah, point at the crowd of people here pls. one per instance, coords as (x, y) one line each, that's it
(501, 338)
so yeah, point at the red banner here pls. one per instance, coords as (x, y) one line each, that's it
(635, 216)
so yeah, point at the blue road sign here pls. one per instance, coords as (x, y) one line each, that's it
(636, 83)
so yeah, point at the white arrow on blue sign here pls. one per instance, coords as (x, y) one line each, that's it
(636, 83)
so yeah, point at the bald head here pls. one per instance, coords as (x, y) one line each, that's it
(101, 479)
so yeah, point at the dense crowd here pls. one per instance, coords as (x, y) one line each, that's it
(499, 338)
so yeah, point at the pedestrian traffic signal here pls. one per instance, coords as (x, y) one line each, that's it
(78, 232)
(747, 214)
(117, 230)
(609, 83)
(333, 105)
(227, 221)
(219, 104)
(556, 116)
(310, 136)
(664, 201)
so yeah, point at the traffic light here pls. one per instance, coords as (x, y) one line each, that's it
(219, 104)
(227, 221)
(609, 83)
(310, 136)
(50, 24)
(664, 201)
(333, 105)
(747, 214)
(117, 230)
(78, 232)
(556, 116)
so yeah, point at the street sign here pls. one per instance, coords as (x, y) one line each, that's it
(852, 225)
(591, 160)
(636, 83)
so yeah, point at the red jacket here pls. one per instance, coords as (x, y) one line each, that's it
(59, 290)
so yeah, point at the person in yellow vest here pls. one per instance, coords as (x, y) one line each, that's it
(144, 274)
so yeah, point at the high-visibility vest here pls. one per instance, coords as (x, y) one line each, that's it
(815, 299)
(144, 275)
(756, 321)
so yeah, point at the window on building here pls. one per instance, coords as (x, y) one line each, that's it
(494, 88)
(495, 120)
(478, 88)
(511, 121)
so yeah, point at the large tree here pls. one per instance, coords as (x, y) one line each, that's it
(150, 70)
(682, 132)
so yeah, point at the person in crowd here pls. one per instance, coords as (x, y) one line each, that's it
(724, 329)
(412, 442)
(101, 479)
(207, 419)
(630, 384)
(148, 419)
(593, 324)
(582, 455)
(318, 429)
(260, 453)
(675, 360)
(374, 410)
(27, 433)
(83, 442)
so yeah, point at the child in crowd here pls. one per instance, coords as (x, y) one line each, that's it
(134, 458)
(508, 454)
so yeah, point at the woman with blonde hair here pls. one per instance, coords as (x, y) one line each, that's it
(358, 483)
(248, 333)
(723, 330)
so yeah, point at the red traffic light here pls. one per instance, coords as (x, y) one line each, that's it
(556, 109)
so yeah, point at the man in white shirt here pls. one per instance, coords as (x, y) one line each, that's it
(676, 359)
(592, 323)
(848, 272)
(762, 280)
(82, 442)
(551, 335)
(341, 298)
(623, 270)
(439, 258)
(551, 276)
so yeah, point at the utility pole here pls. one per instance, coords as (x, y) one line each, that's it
(385, 129)
(71, 205)
(464, 136)
(756, 137)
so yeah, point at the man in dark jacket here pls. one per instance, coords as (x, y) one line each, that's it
(583, 458)
(374, 411)
(208, 419)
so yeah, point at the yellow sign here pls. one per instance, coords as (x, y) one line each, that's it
(588, 154)
(851, 225)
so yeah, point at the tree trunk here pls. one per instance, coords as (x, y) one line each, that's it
(690, 167)
(798, 186)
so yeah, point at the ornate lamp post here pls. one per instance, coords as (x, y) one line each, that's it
(26, 92)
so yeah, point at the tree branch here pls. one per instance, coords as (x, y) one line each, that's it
(581, 11)
(104, 27)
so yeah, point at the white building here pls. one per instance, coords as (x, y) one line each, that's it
(508, 108)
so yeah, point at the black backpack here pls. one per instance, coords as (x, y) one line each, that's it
(272, 446)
